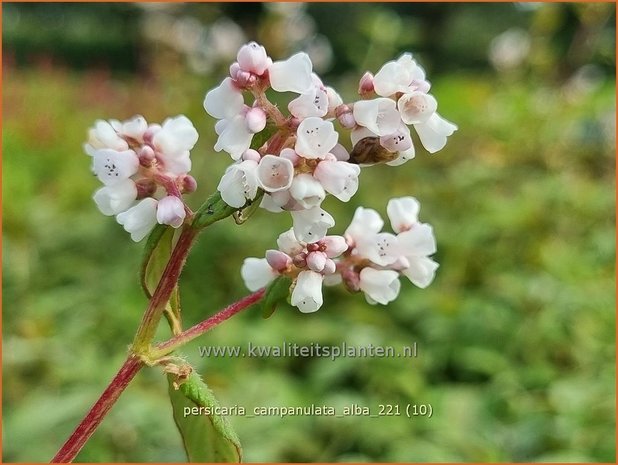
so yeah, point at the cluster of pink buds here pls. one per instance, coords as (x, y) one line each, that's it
(365, 259)
(144, 169)
(302, 159)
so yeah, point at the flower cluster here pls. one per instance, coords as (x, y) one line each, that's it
(302, 160)
(144, 169)
(364, 259)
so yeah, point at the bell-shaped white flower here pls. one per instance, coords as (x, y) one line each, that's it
(379, 286)
(421, 271)
(115, 199)
(234, 136)
(292, 75)
(176, 164)
(239, 183)
(416, 107)
(403, 213)
(365, 222)
(382, 249)
(311, 225)
(403, 157)
(287, 243)
(176, 136)
(257, 273)
(399, 141)
(252, 57)
(339, 178)
(316, 261)
(307, 190)
(112, 167)
(379, 115)
(312, 103)
(334, 246)
(104, 136)
(133, 128)
(397, 76)
(171, 210)
(275, 173)
(419, 241)
(307, 293)
(140, 219)
(315, 138)
(224, 101)
(434, 131)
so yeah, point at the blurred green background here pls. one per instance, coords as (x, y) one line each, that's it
(516, 335)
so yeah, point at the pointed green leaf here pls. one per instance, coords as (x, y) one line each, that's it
(206, 438)
(156, 255)
(276, 292)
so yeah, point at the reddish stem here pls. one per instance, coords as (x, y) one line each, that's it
(93, 418)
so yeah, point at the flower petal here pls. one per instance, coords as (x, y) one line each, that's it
(307, 293)
(292, 75)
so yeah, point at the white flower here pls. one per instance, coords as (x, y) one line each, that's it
(115, 199)
(104, 136)
(292, 75)
(334, 246)
(140, 219)
(311, 225)
(359, 133)
(171, 210)
(133, 128)
(252, 57)
(307, 293)
(416, 107)
(288, 243)
(224, 101)
(434, 131)
(399, 141)
(379, 115)
(403, 213)
(418, 241)
(421, 271)
(176, 137)
(314, 102)
(239, 183)
(315, 138)
(403, 157)
(257, 273)
(382, 249)
(365, 222)
(177, 164)
(339, 178)
(234, 136)
(112, 167)
(275, 173)
(381, 286)
(334, 99)
(307, 191)
(398, 76)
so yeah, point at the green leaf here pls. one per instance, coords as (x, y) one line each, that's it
(276, 292)
(214, 209)
(261, 137)
(245, 213)
(156, 255)
(206, 438)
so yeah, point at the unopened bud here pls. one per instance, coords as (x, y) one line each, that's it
(245, 79)
(278, 260)
(329, 267)
(251, 154)
(189, 184)
(345, 116)
(291, 155)
(234, 69)
(171, 210)
(300, 260)
(365, 85)
(252, 57)
(255, 119)
(146, 156)
(316, 261)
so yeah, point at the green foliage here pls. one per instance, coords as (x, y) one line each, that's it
(276, 293)
(207, 437)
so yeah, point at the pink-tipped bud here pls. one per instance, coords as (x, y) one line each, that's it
(255, 119)
(278, 260)
(251, 154)
(189, 184)
(171, 210)
(329, 267)
(345, 116)
(291, 155)
(252, 58)
(300, 260)
(365, 85)
(245, 79)
(316, 261)
(150, 132)
(146, 156)
(145, 188)
(351, 280)
(234, 69)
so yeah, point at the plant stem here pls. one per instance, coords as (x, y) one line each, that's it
(167, 347)
(161, 295)
(93, 418)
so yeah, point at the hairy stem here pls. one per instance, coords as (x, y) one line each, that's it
(93, 418)
(167, 347)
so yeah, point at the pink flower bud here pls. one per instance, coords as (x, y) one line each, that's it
(329, 267)
(234, 69)
(252, 58)
(316, 261)
(345, 116)
(189, 184)
(150, 132)
(255, 119)
(251, 154)
(245, 79)
(146, 156)
(365, 85)
(278, 260)
(291, 155)
(351, 280)
(145, 188)
(171, 210)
